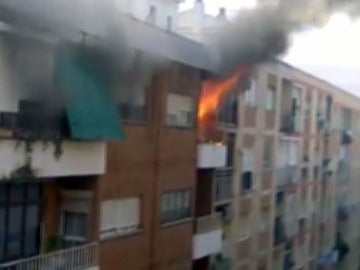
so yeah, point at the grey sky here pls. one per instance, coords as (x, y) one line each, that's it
(331, 53)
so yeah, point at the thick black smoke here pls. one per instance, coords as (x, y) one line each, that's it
(254, 36)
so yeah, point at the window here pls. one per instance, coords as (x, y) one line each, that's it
(223, 184)
(19, 220)
(228, 110)
(74, 228)
(230, 149)
(119, 217)
(180, 110)
(175, 205)
(247, 182)
(270, 93)
(267, 154)
(169, 23)
(270, 99)
(131, 103)
(250, 94)
(247, 168)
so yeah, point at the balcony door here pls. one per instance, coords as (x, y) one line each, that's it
(75, 209)
(19, 220)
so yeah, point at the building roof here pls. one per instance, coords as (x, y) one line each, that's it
(36, 14)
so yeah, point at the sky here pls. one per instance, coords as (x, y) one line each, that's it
(331, 52)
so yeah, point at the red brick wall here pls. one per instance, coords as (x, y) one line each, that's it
(151, 159)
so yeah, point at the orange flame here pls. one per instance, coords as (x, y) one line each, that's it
(212, 94)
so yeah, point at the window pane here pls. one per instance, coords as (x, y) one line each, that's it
(131, 103)
(129, 216)
(16, 192)
(75, 224)
(179, 202)
(2, 233)
(108, 215)
(3, 193)
(31, 230)
(33, 192)
(14, 232)
(180, 110)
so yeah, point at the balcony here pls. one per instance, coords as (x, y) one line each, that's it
(279, 232)
(51, 145)
(76, 258)
(208, 236)
(77, 158)
(290, 124)
(211, 155)
(286, 176)
(223, 184)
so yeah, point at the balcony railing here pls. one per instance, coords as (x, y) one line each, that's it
(223, 184)
(211, 155)
(286, 175)
(207, 239)
(76, 258)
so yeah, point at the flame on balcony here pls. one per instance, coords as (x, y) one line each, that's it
(213, 93)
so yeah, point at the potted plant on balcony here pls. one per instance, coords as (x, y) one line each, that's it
(51, 244)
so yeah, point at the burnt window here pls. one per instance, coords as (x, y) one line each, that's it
(32, 123)
(131, 102)
(228, 110)
(8, 120)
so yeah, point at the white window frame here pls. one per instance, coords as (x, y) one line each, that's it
(74, 201)
(118, 212)
(180, 117)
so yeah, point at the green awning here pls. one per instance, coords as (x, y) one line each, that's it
(91, 112)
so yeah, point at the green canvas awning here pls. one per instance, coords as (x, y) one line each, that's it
(91, 112)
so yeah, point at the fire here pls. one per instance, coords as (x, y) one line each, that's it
(212, 94)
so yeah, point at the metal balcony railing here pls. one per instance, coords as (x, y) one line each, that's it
(286, 175)
(223, 184)
(76, 258)
(208, 223)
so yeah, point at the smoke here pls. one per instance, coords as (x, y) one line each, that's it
(351, 7)
(254, 36)
(257, 35)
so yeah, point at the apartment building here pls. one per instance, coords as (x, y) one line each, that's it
(108, 180)
(287, 191)
(162, 14)
(195, 24)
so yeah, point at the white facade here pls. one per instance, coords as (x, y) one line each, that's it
(197, 25)
(161, 13)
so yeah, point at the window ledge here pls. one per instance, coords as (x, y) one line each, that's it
(178, 222)
(119, 235)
